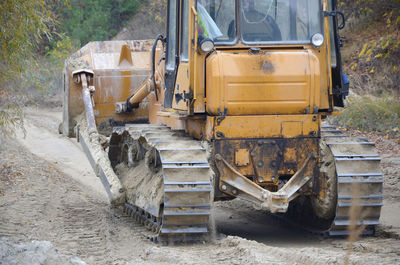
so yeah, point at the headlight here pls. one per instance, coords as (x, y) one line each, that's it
(317, 39)
(206, 45)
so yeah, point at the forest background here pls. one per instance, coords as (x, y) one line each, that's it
(36, 36)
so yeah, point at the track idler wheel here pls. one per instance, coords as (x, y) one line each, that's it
(324, 202)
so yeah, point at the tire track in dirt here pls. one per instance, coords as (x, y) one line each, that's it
(43, 203)
(21, 211)
(83, 231)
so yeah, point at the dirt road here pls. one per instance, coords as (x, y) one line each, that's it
(49, 193)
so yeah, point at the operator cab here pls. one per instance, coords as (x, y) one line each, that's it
(258, 22)
(253, 25)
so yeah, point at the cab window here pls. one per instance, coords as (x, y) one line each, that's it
(217, 20)
(171, 37)
(185, 32)
(287, 21)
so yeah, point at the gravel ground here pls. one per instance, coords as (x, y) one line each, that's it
(51, 203)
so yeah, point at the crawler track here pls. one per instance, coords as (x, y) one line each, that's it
(184, 211)
(358, 188)
(359, 182)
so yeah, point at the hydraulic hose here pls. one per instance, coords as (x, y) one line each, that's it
(153, 62)
(148, 85)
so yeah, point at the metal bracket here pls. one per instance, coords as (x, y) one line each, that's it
(330, 13)
(335, 13)
(77, 75)
(238, 185)
(219, 120)
(188, 96)
(220, 113)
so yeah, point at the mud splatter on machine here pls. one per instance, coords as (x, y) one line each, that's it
(229, 104)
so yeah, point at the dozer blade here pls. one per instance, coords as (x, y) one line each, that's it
(118, 69)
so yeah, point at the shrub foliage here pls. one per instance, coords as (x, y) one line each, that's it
(89, 20)
(376, 60)
(23, 26)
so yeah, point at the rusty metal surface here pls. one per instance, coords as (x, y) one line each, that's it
(271, 161)
(238, 185)
(262, 126)
(119, 68)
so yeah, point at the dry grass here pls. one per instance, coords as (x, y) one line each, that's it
(11, 119)
(371, 113)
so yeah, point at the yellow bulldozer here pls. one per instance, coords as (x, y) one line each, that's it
(229, 104)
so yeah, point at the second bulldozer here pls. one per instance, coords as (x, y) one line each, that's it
(228, 105)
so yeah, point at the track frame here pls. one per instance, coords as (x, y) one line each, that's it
(183, 214)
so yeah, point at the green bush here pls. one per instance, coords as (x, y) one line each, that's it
(91, 20)
(23, 25)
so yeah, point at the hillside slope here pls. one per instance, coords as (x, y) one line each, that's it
(146, 24)
(371, 58)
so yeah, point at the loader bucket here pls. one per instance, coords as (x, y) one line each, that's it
(119, 68)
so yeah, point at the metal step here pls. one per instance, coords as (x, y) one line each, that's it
(331, 131)
(347, 197)
(206, 206)
(334, 136)
(374, 204)
(363, 222)
(358, 159)
(183, 162)
(186, 166)
(351, 143)
(187, 230)
(176, 138)
(359, 181)
(365, 232)
(354, 156)
(365, 139)
(182, 149)
(187, 190)
(375, 174)
(166, 213)
(188, 183)
(183, 141)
